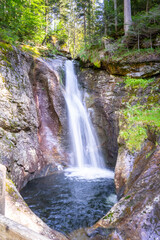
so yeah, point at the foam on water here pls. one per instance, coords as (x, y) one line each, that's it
(89, 173)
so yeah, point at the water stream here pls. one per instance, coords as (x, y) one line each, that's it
(86, 157)
(84, 140)
(83, 193)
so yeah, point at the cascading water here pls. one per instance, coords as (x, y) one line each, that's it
(85, 145)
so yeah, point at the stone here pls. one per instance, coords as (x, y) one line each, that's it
(2, 188)
(129, 167)
(12, 230)
(138, 67)
(136, 215)
(51, 110)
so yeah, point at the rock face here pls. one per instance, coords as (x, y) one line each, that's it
(134, 66)
(18, 118)
(136, 216)
(103, 99)
(51, 113)
(30, 123)
(33, 136)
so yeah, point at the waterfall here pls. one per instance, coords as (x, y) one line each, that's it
(85, 145)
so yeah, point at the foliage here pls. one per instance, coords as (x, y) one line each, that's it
(22, 21)
(138, 120)
(91, 53)
(5, 47)
(48, 50)
(78, 25)
(140, 117)
(137, 82)
(32, 50)
(60, 33)
(144, 26)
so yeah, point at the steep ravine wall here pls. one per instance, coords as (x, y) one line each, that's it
(31, 117)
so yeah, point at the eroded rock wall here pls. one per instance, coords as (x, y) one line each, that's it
(31, 109)
(51, 111)
(18, 118)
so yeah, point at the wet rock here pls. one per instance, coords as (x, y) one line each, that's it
(51, 113)
(135, 70)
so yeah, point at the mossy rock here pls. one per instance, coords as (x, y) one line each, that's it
(10, 188)
(153, 98)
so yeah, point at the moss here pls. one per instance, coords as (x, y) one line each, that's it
(5, 47)
(97, 64)
(31, 50)
(153, 99)
(127, 197)
(11, 190)
(109, 216)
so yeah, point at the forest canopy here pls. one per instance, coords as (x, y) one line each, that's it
(78, 25)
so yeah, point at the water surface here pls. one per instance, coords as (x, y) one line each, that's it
(66, 202)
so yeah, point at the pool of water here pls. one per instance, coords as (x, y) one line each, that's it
(67, 202)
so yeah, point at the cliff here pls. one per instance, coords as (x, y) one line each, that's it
(31, 117)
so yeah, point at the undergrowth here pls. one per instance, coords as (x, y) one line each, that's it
(137, 119)
(138, 82)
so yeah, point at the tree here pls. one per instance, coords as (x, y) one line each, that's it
(115, 13)
(127, 16)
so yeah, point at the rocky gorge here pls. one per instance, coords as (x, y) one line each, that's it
(33, 136)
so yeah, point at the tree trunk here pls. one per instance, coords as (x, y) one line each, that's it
(138, 41)
(115, 13)
(74, 41)
(127, 16)
(46, 16)
(147, 6)
(84, 25)
(89, 19)
(105, 17)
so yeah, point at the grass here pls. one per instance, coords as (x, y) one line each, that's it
(138, 82)
(138, 120)
(31, 50)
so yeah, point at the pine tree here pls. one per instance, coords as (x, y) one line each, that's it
(127, 16)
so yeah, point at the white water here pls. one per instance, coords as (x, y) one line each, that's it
(86, 160)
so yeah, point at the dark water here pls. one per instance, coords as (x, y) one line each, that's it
(66, 203)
